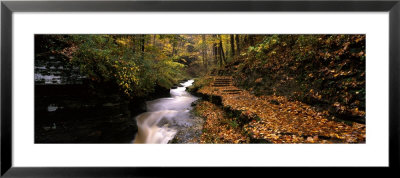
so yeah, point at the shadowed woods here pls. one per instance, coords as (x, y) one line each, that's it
(210, 88)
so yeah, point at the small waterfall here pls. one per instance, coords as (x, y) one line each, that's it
(149, 130)
(164, 116)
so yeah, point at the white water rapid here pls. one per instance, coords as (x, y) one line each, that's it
(164, 116)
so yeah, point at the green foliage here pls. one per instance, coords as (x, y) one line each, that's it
(111, 59)
(199, 83)
(233, 124)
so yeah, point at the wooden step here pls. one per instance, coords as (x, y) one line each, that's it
(231, 90)
(223, 81)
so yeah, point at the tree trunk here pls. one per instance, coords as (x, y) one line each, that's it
(232, 46)
(222, 50)
(174, 40)
(219, 55)
(204, 45)
(215, 49)
(143, 41)
(251, 40)
(134, 43)
(237, 45)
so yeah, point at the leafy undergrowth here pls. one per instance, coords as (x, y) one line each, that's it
(275, 119)
(325, 71)
(198, 83)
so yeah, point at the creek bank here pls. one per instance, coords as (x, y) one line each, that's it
(219, 126)
(191, 133)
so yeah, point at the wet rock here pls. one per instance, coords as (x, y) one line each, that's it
(52, 108)
(189, 132)
(163, 122)
(194, 103)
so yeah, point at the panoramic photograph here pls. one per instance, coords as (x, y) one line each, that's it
(200, 88)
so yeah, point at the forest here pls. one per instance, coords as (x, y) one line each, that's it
(200, 88)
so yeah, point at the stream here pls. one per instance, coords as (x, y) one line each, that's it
(167, 118)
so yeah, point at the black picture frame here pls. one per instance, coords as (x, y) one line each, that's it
(8, 7)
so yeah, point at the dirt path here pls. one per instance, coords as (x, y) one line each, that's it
(275, 119)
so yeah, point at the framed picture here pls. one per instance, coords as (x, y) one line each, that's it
(141, 88)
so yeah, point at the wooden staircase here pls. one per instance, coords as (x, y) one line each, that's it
(227, 83)
(222, 82)
(233, 92)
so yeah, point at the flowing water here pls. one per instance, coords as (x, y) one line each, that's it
(165, 116)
